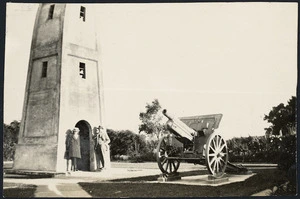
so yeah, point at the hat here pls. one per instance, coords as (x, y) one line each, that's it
(100, 127)
(76, 129)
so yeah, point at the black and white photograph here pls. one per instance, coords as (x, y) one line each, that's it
(150, 99)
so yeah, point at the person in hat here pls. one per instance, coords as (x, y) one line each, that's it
(74, 149)
(102, 148)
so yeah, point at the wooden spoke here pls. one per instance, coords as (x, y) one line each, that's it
(217, 142)
(210, 147)
(173, 163)
(167, 166)
(176, 164)
(218, 166)
(214, 144)
(164, 161)
(220, 141)
(222, 161)
(215, 163)
(213, 160)
(222, 147)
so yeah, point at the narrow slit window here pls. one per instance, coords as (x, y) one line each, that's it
(82, 72)
(51, 11)
(44, 69)
(82, 13)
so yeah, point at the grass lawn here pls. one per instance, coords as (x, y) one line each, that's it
(264, 179)
(14, 190)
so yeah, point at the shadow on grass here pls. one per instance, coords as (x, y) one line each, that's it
(133, 188)
(14, 190)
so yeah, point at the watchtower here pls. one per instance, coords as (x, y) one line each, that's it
(63, 88)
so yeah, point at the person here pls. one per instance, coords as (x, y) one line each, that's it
(102, 148)
(74, 150)
(97, 148)
(69, 135)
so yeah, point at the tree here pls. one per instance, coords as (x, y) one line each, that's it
(124, 142)
(134, 146)
(291, 117)
(282, 119)
(151, 119)
(10, 139)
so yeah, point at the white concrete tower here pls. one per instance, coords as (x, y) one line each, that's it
(63, 88)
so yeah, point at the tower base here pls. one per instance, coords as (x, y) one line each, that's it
(36, 157)
(34, 174)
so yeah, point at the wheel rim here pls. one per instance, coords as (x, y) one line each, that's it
(165, 165)
(216, 155)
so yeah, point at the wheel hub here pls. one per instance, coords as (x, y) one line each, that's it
(220, 155)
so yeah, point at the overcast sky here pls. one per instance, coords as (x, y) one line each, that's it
(238, 59)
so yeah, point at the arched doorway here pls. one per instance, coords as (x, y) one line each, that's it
(83, 164)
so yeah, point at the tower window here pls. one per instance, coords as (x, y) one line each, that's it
(44, 69)
(82, 13)
(51, 11)
(82, 70)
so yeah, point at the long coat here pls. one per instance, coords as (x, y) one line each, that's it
(101, 139)
(102, 148)
(69, 137)
(74, 150)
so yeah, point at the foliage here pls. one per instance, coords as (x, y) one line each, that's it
(10, 140)
(149, 154)
(282, 118)
(126, 145)
(129, 145)
(123, 142)
(285, 148)
(275, 149)
(247, 149)
(151, 119)
(283, 123)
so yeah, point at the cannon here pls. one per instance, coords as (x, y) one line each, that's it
(193, 140)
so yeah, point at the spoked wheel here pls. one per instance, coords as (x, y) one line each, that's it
(166, 165)
(216, 154)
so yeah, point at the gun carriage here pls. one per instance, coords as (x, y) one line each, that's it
(193, 140)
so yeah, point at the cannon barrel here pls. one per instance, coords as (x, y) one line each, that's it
(179, 127)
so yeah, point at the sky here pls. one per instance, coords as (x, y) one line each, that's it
(238, 59)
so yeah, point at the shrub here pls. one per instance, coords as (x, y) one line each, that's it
(286, 148)
(132, 146)
(149, 157)
(10, 140)
(276, 149)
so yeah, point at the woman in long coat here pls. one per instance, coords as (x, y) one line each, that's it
(69, 137)
(74, 150)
